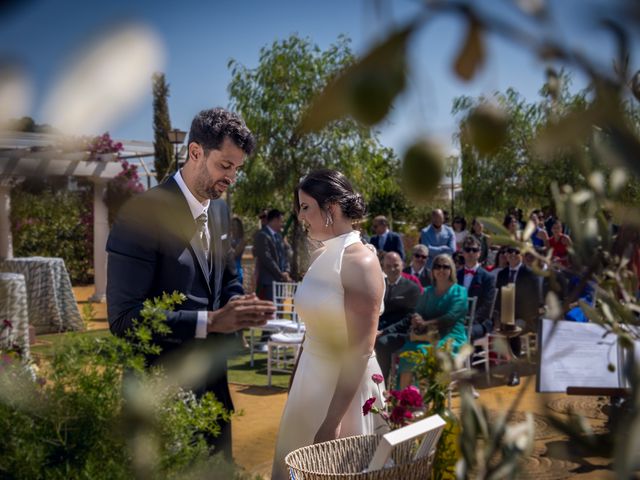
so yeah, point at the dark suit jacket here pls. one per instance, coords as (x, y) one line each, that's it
(424, 277)
(399, 302)
(153, 249)
(528, 296)
(269, 259)
(393, 243)
(483, 287)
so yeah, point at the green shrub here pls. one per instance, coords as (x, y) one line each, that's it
(97, 413)
(54, 224)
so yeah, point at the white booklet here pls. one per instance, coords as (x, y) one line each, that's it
(578, 355)
(430, 428)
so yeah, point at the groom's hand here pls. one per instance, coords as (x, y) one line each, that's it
(245, 311)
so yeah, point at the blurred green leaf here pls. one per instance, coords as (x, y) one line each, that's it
(486, 128)
(422, 169)
(365, 89)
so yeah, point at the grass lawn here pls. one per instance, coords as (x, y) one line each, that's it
(239, 369)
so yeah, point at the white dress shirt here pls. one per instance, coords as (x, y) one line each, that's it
(468, 278)
(197, 208)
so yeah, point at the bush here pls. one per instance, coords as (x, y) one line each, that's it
(54, 224)
(96, 412)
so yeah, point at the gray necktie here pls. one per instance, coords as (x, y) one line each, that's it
(203, 232)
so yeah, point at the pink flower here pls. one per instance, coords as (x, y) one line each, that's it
(366, 408)
(411, 397)
(377, 378)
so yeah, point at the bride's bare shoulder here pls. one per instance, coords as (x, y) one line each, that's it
(359, 255)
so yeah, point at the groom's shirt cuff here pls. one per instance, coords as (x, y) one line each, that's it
(201, 325)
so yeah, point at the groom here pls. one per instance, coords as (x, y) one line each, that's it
(176, 237)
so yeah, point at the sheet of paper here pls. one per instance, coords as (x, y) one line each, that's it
(576, 355)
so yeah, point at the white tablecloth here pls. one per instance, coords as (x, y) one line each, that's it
(52, 305)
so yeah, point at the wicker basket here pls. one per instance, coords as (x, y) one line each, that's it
(346, 458)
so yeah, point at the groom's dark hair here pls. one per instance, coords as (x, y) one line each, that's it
(330, 186)
(210, 127)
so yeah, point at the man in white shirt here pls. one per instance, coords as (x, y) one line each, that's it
(175, 237)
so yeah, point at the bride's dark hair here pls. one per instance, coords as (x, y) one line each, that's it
(330, 186)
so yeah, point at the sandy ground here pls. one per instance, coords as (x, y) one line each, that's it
(255, 431)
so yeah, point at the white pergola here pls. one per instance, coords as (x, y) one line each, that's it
(36, 155)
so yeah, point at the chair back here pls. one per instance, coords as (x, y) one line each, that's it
(471, 314)
(283, 294)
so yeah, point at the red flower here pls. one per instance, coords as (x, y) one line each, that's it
(366, 408)
(6, 324)
(400, 415)
(377, 378)
(411, 397)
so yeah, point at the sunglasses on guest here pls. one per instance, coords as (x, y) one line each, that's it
(513, 250)
(471, 250)
(441, 266)
(419, 255)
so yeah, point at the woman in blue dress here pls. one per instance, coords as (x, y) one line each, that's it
(443, 305)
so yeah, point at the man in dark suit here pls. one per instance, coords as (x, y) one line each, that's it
(528, 299)
(384, 239)
(269, 250)
(175, 237)
(400, 299)
(480, 284)
(418, 266)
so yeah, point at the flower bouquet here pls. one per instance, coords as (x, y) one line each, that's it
(400, 406)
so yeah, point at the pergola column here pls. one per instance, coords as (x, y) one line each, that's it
(6, 245)
(100, 234)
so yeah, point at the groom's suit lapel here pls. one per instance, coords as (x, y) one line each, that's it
(180, 219)
(217, 233)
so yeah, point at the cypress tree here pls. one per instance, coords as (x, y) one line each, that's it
(161, 126)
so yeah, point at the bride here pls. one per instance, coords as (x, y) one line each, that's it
(339, 300)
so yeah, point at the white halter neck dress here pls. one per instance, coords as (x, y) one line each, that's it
(319, 302)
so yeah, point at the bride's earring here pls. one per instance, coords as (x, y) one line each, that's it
(329, 220)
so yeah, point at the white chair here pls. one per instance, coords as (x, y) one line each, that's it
(286, 318)
(482, 347)
(282, 352)
(469, 318)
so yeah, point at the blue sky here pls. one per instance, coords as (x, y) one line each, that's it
(199, 38)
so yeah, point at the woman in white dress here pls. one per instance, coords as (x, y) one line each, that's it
(339, 300)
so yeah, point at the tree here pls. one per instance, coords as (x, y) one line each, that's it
(161, 127)
(273, 98)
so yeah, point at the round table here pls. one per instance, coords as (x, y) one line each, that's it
(52, 305)
(14, 316)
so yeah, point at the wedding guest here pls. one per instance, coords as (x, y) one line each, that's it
(443, 307)
(418, 265)
(460, 230)
(477, 230)
(527, 300)
(384, 239)
(539, 237)
(479, 284)
(237, 245)
(400, 298)
(512, 225)
(559, 244)
(500, 262)
(438, 237)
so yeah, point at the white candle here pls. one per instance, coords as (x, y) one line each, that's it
(508, 304)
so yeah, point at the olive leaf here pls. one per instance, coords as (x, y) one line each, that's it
(472, 53)
(365, 89)
(422, 169)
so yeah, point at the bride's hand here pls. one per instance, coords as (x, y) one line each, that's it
(327, 432)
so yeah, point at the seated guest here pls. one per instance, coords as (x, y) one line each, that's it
(477, 230)
(442, 306)
(418, 265)
(384, 239)
(511, 223)
(480, 284)
(400, 298)
(559, 244)
(527, 302)
(414, 279)
(500, 262)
